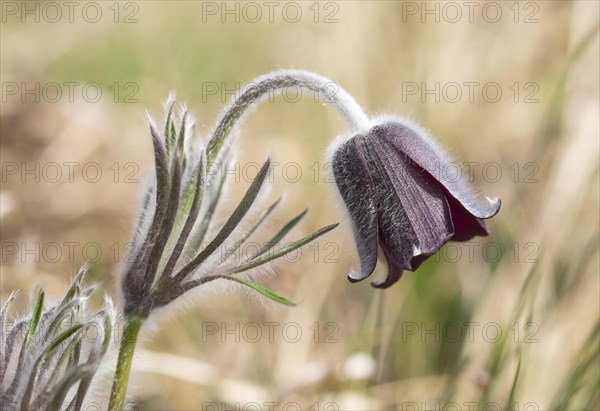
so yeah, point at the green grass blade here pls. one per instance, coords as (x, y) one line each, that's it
(513, 388)
(588, 358)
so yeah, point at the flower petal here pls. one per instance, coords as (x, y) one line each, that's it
(416, 144)
(465, 225)
(356, 188)
(393, 275)
(414, 217)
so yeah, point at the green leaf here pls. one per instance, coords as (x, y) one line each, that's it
(198, 235)
(35, 317)
(261, 289)
(69, 308)
(108, 323)
(62, 388)
(59, 367)
(96, 355)
(25, 402)
(285, 250)
(6, 306)
(169, 142)
(260, 220)
(62, 338)
(11, 343)
(279, 236)
(181, 137)
(144, 214)
(5, 354)
(75, 286)
(230, 225)
(173, 137)
(187, 215)
(139, 268)
(165, 228)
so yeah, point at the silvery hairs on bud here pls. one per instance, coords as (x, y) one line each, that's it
(47, 352)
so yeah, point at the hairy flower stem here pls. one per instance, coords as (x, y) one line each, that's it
(121, 379)
(257, 89)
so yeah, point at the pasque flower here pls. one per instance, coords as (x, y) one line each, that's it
(398, 200)
(49, 357)
(387, 171)
(385, 174)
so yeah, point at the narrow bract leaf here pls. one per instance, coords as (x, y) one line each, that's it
(75, 286)
(46, 354)
(261, 289)
(231, 223)
(109, 317)
(11, 340)
(71, 306)
(197, 236)
(57, 371)
(185, 204)
(181, 137)
(133, 284)
(260, 220)
(285, 250)
(63, 387)
(5, 308)
(96, 355)
(144, 215)
(192, 215)
(279, 236)
(62, 338)
(168, 127)
(3, 334)
(35, 318)
(166, 227)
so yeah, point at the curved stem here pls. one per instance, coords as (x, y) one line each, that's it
(128, 343)
(259, 88)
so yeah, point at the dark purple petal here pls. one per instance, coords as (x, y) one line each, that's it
(415, 144)
(399, 200)
(465, 225)
(356, 188)
(414, 217)
(393, 275)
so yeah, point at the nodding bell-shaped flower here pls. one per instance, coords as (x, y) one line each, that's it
(398, 200)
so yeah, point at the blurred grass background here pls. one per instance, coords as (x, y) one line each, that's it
(374, 49)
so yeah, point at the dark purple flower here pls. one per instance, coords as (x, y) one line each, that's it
(398, 200)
